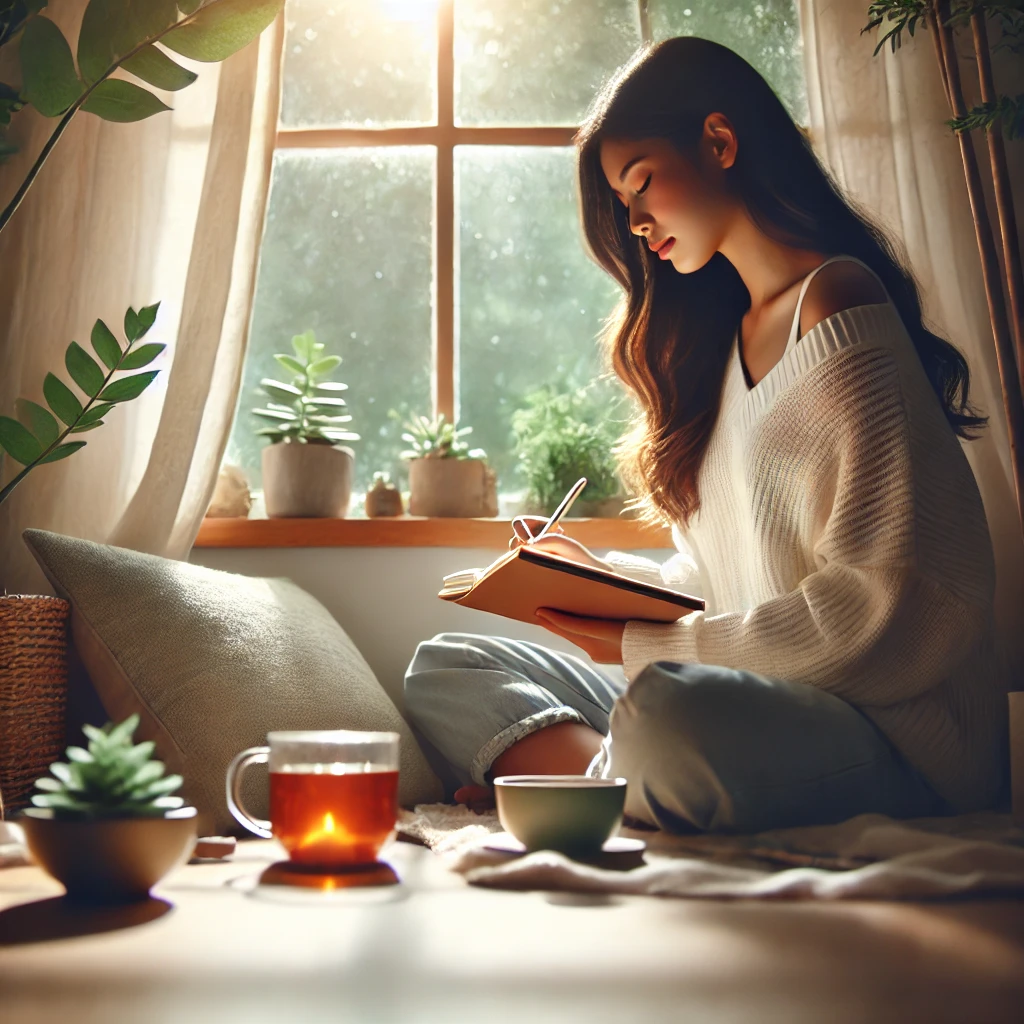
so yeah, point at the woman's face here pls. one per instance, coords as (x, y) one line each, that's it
(679, 206)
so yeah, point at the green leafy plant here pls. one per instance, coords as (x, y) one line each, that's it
(438, 439)
(113, 778)
(306, 408)
(36, 437)
(117, 35)
(562, 434)
(894, 17)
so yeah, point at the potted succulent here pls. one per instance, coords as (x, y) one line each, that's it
(105, 824)
(562, 434)
(446, 476)
(306, 472)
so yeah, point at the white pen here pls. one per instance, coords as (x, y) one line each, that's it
(563, 507)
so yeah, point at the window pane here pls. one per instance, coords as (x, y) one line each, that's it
(353, 64)
(347, 253)
(765, 33)
(530, 301)
(537, 62)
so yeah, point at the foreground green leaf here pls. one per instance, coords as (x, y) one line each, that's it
(38, 420)
(127, 388)
(146, 318)
(61, 399)
(94, 413)
(49, 80)
(222, 29)
(156, 68)
(63, 451)
(84, 370)
(97, 47)
(141, 356)
(147, 19)
(18, 442)
(124, 102)
(132, 325)
(105, 345)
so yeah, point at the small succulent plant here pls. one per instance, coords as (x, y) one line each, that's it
(438, 439)
(309, 407)
(114, 778)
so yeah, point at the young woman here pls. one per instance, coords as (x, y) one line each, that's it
(799, 427)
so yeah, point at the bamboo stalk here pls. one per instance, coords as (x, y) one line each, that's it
(938, 57)
(1013, 401)
(1003, 192)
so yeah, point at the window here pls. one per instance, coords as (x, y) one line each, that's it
(421, 217)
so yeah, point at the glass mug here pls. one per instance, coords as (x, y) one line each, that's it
(333, 794)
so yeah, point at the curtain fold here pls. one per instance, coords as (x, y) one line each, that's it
(168, 209)
(878, 124)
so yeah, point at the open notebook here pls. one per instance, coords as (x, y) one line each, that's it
(528, 578)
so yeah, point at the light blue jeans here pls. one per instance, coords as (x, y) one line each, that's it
(702, 747)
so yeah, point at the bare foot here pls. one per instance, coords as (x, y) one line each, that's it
(477, 798)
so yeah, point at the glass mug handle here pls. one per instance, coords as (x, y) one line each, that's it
(254, 755)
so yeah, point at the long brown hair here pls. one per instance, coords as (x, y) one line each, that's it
(670, 337)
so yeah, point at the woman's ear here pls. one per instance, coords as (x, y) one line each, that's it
(719, 139)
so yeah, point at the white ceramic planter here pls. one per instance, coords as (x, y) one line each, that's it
(307, 480)
(452, 487)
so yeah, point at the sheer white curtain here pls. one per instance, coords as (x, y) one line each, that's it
(877, 124)
(167, 209)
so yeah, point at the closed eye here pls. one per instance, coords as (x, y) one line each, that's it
(643, 188)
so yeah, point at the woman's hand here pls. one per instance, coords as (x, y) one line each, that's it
(555, 542)
(600, 638)
(535, 524)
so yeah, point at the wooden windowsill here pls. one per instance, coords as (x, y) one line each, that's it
(414, 532)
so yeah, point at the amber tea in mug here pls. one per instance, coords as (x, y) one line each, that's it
(333, 795)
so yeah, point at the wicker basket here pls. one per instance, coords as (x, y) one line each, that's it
(33, 692)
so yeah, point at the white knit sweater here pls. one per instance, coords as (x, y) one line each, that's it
(842, 543)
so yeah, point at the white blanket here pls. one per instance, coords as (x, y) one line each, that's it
(867, 857)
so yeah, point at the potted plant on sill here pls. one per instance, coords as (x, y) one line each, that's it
(105, 824)
(446, 476)
(306, 472)
(562, 434)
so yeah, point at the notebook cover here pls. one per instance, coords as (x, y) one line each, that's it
(520, 585)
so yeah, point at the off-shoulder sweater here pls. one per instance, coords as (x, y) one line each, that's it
(841, 542)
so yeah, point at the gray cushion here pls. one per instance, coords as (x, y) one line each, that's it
(213, 661)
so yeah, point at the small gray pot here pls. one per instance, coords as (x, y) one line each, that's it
(307, 480)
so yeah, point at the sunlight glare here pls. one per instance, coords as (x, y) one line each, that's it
(408, 10)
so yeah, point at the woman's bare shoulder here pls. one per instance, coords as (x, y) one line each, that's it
(840, 285)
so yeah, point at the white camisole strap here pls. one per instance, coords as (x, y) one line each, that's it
(795, 329)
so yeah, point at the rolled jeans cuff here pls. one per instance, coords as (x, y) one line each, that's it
(497, 745)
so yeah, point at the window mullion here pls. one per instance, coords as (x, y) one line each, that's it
(445, 370)
(644, 18)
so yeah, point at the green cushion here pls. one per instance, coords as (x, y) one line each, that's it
(213, 661)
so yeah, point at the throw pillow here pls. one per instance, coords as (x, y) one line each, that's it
(213, 661)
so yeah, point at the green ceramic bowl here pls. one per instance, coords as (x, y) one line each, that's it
(573, 814)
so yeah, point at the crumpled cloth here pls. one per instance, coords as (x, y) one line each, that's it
(870, 857)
